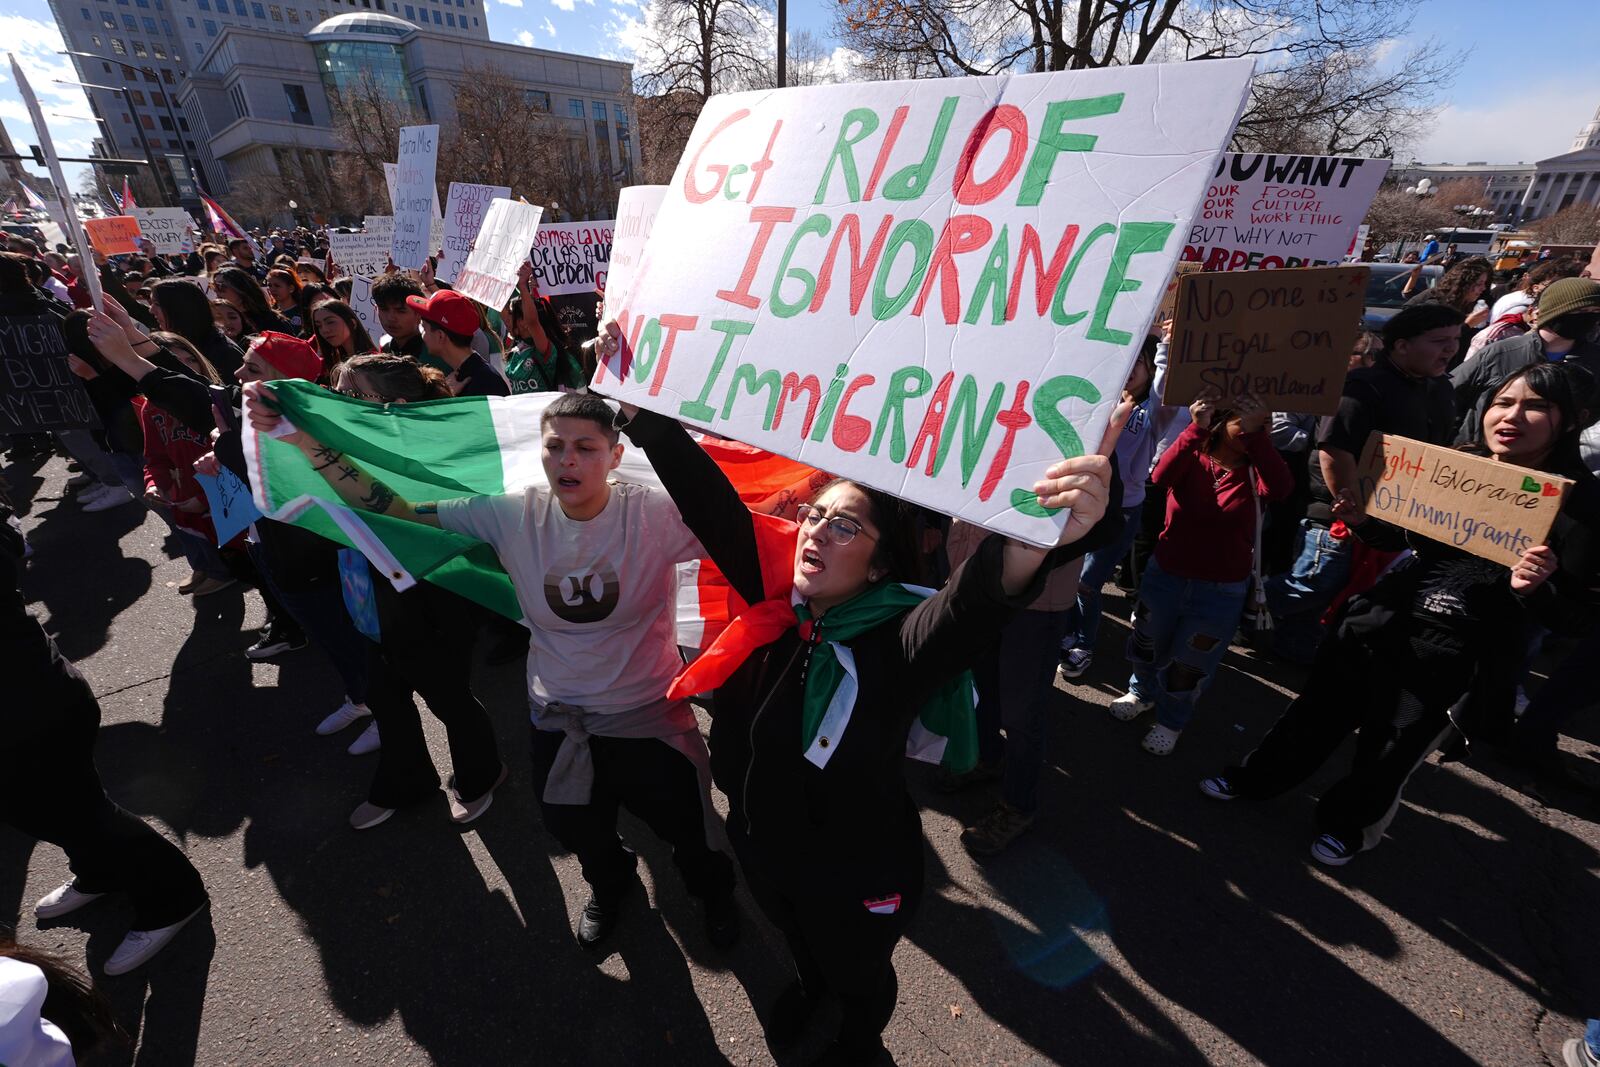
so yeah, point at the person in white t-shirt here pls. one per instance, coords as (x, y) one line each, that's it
(593, 565)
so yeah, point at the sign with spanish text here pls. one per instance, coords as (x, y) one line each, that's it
(1283, 336)
(1271, 211)
(935, 287)
(167, 231)
(360, 255)
(37, 390)
(415, 193)
(1494, 510)
(499, 252)
(463, 216)
(637, 207)
(115, 235)
(570, 258)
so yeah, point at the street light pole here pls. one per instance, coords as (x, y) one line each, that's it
(166, 100)
(144, 142)
(783, 43)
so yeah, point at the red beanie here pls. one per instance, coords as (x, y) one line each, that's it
(294, 357)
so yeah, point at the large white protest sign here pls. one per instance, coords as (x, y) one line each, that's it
(1267, 211)
(637, 206)
(936, 287)
(499, 252)
(361, 303)
(391, 178)
(569, 258)
(168, 230)
(414, 196)
(68, 220)
(463, 216)
(361, 255)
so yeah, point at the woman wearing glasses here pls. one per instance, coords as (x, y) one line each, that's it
(819, 686)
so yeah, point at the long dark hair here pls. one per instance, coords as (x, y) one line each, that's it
(177, 343)
(360, 339)
(553, 327)
(71, 1001)
(256, 311)
(186, 309)
(1566, 386)
(1455, 285)
(900, 524)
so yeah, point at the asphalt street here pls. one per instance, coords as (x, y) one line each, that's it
(1136, 923)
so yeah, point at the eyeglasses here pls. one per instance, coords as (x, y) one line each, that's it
(841, 531)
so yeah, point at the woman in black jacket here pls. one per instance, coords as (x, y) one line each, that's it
(828, 836)
(1440, 625)
(184, 309)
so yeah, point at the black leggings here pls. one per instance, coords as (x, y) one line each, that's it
(52, 792)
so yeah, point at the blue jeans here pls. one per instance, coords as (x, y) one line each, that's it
(1298, 598)
(1181, 630)
(1015, 683)
(1083, 619)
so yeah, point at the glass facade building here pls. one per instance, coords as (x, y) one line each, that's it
(355, 47)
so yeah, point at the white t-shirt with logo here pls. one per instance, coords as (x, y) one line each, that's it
(601, 594)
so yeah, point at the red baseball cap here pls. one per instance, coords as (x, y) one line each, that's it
(290, 355)
(449, 309)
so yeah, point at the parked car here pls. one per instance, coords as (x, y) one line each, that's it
(1384, 286)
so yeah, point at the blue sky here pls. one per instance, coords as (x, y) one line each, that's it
(1523, 91)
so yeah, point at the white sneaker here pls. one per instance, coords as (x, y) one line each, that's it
(347, 714)
(105, 498)
(63, 900)
(1161, 740)
(367, 742)
(137, 948)
(1128, 707)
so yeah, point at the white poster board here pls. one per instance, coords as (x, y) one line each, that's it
(168, 230)
(360, 255)
(463, 216)
(499, 252)
(391, 178)
(415, 193)
(361, 303)
(570, 258)
(637, 206)
(936, 287)
(1269, 211)
(69, 212)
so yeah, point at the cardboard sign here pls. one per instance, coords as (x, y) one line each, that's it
(499, 252)
(462, 218)
(361, 303)
(936, 287)
(117, 235)
(415, 193)
(1494, 510)
(1169, 299)
(570, 258)
(359, 255)
(637, 206)
(167, 231)
(232, 509)
(1267, 211)
(37, 390)
(1282, 336)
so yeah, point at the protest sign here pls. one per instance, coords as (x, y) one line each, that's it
(361, 303)
(1494, 510)
(502, 247)
(415, 193)
(65, 213)
(360, 255)
(37, 390)
(970, 260)
(463, 216)
(637, 206)
(1169, 298)
(232, 509)
(391, 177)
(570, 257)
(117, 235)
(1268, 211)
(1283, 336)
(166, 231)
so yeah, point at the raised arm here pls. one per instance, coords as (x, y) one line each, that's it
(353, 484)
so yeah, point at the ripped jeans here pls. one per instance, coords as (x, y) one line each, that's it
(1181, 630)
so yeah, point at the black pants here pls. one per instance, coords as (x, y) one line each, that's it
(838, 944)
(51, 791)
(1395, 688)
(1569, 689)
(657, 784)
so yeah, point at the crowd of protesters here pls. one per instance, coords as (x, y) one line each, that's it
(1229, 524)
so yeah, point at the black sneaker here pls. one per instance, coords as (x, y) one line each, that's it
(275, 641)
(599, 916)
(722, 922)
